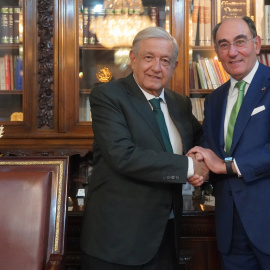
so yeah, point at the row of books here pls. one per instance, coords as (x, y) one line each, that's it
(262, 20)
(11, 72)
(198, 107)
(206, 73)
(88, 14)
(10, 18)
(264, 58)
(200, 30)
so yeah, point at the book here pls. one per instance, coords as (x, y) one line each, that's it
(267, 24)
(268, 59)
(207, 22)
(224, 74)
(195, 72)
(16, 22)
(4, 24)
(2, 74)
(154, 15)
(202, 79)
(208, 80)
(263, 59)
(201, 22)
(218, 72)
(194, 109)
(85, 25)
(260, 19)
(7, 71)
(10, 24)
(211, 73)
(191, 76)
(194, 18)
(11, 72)
(19, 73)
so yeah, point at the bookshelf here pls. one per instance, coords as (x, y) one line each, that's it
(198, 49)
(11, 60)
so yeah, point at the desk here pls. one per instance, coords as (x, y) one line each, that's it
(198, 242)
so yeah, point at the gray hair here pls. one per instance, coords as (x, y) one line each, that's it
(154, 32)
(249, 22)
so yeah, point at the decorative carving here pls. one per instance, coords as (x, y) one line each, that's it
(45, 63)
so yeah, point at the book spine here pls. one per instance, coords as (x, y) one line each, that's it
(191, 76)
(208, 80)
(194, 18)
(201, 23)
(10, 24)
(11, 68)
(210, 72)
(154, 15)
(207, 22)
(201, 78)
(92, 35)
(7, 71)
(267, 24)
(2, 74)
(16, 23)
(85, 25)
(4, 24)
(260, 19)
(195, 72)
(218, 72)
(19, 73)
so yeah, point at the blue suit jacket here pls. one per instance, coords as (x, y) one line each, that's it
(251, 150)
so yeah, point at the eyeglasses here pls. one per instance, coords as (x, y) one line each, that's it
(240, 43)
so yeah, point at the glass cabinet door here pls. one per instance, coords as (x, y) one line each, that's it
(11, 61)
(106, 31)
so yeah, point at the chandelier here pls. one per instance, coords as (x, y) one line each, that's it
(122, 21)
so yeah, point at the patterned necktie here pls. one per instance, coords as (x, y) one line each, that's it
(241, 87)
(161, 123)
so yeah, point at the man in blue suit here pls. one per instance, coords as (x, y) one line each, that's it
(239, 154)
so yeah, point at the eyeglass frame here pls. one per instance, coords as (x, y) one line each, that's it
(234, 44)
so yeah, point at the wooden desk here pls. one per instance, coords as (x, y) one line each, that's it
(198, 242)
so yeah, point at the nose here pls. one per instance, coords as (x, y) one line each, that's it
(233, 50)
(156, 65)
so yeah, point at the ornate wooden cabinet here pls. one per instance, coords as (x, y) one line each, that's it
(198, 242)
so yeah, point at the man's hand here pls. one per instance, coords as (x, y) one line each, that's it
(201, 172)
(212, 161)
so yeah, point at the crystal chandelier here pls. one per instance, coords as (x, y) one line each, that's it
(122, 21)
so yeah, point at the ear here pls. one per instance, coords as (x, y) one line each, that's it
(132, 59)
(257, 43)
(175, 65)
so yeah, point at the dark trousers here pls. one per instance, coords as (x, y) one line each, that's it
(243, 254)
(165, 258)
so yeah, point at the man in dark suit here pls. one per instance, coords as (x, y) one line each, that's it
(239, 154)
(134, 201)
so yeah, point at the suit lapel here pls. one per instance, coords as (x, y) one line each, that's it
(142, 106)
(257, 89)
(217, 116)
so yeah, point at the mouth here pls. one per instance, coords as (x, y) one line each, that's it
(235, 61)
(154, 77)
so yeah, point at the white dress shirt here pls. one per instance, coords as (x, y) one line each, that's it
(232, 97)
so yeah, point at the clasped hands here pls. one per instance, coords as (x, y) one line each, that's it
(204, 160)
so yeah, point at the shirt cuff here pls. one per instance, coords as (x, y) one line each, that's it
(190, 172)
(238, 171)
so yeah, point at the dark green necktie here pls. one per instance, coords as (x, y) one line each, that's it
(155, 102)
(241, 87)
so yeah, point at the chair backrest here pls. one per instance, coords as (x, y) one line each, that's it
(33, 195)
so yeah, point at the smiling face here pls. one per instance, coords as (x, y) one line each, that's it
(238, 62)
(154, 65)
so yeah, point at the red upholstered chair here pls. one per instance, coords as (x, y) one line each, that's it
(33, 196)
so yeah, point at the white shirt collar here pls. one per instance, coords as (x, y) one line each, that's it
(248, 78)
(149, 96)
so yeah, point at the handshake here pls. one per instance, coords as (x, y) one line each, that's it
(204, 160)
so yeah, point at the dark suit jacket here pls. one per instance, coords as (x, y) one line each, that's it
(251, 149)
(133, 180)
